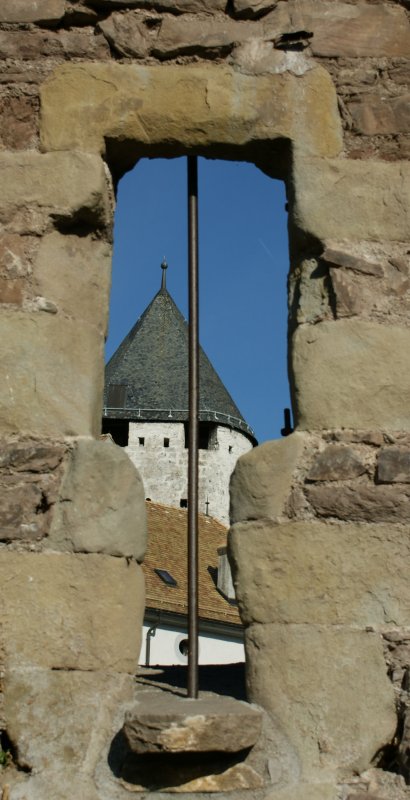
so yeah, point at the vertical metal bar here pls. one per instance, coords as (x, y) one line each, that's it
(193, 427)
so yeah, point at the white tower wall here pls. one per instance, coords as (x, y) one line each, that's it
(164, 468)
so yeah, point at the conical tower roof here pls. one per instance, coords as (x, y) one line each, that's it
(147, 377)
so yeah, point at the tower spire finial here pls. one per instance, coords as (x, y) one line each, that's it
(164, 267)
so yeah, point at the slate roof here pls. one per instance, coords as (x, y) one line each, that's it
(152, 363)
(167, 549)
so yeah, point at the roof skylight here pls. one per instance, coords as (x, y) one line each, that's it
(166, 577)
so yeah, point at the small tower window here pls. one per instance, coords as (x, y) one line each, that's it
(116, 395)
(141, 441)
(183, 503)
(166, 442)
(118, 428)
(230, 448)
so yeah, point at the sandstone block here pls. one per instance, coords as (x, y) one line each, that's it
(361, 503)
(101, 507)
(378, 199)
(305, 791)
(340, 29)
(63, 721)
(262, 479)
(19, 122)
(351, 374)
(202, 34)
(374, 115)
(28, 11)
(30, 45)
(173, 724)
(340, 258)
(127, 102)
(53, 370)
(336, 463)
(74, 273)
(321, 573)
(181, 6)
(11, 291)
(352, 298)
(26, 505)
(64, 185)
(15, 255)
(393, 465)
(250, 9)
(337, 718)
(70, 612)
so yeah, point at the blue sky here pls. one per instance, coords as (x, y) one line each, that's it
(243, 264)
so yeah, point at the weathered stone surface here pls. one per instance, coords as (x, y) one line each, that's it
(181, 6)
(202, 34)
(19, 122)
(304, 791)
(249, 9)
(130, 34)
(65, 185)
(362, 371)
(340, 258)
(378, 192)
(32, 10)
(361, 503)
(127, 102)
(53, 370)
(376, 114)
(262, 479)
(174, 724)
(356, 29)
(336, 463)
(313, 572)
(69, 612)
(101, 507)
(62, 721)
(15, 254)
(74, 273)
(351, 298)
(11, 291)
(30, 45)
(30, 455)
(393, 465)
(336, 717)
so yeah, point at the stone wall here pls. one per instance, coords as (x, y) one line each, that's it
(315, 93)
(165, 469)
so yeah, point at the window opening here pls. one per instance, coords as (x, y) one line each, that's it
(183, 647)
(183, 503)
(116, 395)
(166, 577)
(141, 441)
(118, 428)
(166, 442)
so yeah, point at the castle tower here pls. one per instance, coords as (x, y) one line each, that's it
(146, 411)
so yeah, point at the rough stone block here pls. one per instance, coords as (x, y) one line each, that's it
(336, 199)
(305, 791)
(313, 572)
(328, 690)
(249, 9)
(181, 6)
(361, 502)
(173, 724)
(32, 11)
(70, 612)
(36, 44)
(65, 185)
(336, 463)
(101, 507)
(340, 258)
(356, 30)
(53, 375)
(63, 720)
(128, 102)
(375, 115)
(74, 273)
(351, 374)
(18, 122)
(262, 479)
(16, 253)
(393, 465)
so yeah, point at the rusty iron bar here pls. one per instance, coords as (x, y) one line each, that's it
(193, 355)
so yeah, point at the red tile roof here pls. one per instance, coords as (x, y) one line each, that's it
(167, 549)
